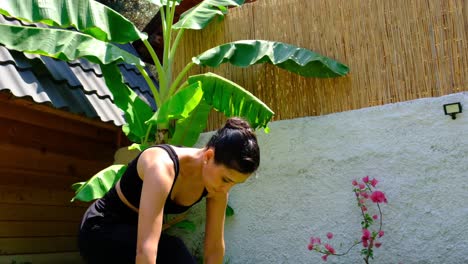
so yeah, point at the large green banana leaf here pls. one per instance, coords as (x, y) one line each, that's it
(179, 106)
(188, 130)
(232, 100)
(64, 45)
(298, 60)
(136, 111)
(199, 16)
(99, 184)
(87, 16)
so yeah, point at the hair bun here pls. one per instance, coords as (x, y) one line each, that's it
(237, 123)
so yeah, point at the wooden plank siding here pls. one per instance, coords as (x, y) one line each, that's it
(43, 151)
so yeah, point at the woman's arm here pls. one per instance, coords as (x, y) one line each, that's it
(214, 228)
(156, 170)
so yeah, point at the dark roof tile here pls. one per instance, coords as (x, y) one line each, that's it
(77, 86)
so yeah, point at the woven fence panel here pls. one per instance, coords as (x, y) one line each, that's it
(397, 51)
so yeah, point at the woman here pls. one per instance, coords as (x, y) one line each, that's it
(125, 226)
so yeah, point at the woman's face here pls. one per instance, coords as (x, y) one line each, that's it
(219, 178)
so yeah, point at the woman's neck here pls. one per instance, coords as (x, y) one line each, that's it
(191, 164)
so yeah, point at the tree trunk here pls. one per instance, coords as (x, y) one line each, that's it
(140, 12)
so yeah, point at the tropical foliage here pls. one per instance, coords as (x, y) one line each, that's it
(183, 103)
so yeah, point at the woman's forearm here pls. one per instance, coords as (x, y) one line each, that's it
(214, 256)
(146, 257)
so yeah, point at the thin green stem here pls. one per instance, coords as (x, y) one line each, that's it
(380, 212)
(170, 47)
(160, 71)
(151, 85)
(163, 19)
(176, 82)
(167, 34)
(174, 47)
(180, 33)
(360, 207)
(338, 254)
(147, 133)
(167, 62)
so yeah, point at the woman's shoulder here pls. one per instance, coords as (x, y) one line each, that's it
(156, 159)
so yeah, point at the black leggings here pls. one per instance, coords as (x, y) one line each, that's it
(105, 240)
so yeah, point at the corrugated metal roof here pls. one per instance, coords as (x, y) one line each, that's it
(76, 86)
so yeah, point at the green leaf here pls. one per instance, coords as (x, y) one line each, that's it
(179, 106)
(77, 186)
(199, 16)
(90, 17)
(64, 45)
(187, 130)
(185, 224)
(162, 3)
(297, 60)
(99, 184)
(136, 110)
(229, 211)
(139, 147)
(233, 100)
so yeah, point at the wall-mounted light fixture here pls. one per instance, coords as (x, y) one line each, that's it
(452, 109)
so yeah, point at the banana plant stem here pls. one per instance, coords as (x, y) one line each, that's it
(150, 83)
(176, 82)
(176, 43)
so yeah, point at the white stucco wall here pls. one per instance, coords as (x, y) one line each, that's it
(303, 186)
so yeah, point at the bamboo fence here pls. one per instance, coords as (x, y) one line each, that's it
(396, 50)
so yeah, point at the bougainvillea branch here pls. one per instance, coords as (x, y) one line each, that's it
(364, 191)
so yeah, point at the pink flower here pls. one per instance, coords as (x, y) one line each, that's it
(364, 208)
(315, 240)
(375, 217)
(310, 246)
(378, 197)
(324, 257)
(365, 195)
(366, 234)
(354, 182)
(378, 244)
(329, 235)
(365, 243)
(330, 248)
(362, 186)
(381, 233)
(365, 179)
(374, 182)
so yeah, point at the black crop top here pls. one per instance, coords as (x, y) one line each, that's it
(131, 184)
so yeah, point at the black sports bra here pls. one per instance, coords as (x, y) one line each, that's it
(131, 184)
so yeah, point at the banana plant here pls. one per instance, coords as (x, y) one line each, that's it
(183, 102)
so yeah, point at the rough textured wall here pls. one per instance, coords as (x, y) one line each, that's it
(303, 187)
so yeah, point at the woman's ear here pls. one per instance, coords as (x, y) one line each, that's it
(208, 155)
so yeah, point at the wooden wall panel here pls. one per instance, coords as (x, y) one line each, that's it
(70, 212)
(46, 139)
(46, 228)
(36, 160)
(29, 245)
(50, 118)
(43, 151)
(54, 258)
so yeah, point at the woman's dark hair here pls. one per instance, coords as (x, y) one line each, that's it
(235, 146)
